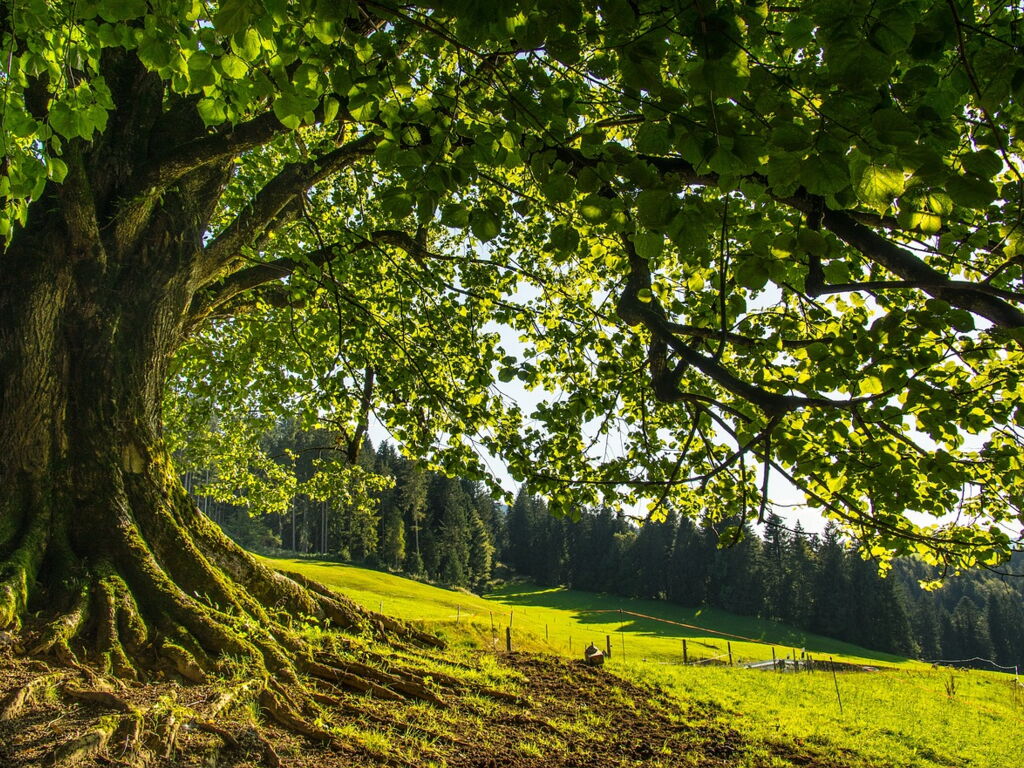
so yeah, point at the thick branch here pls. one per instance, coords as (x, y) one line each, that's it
(275, 197)
(260, 274)
(176, 163)
(979, 299)
(815, 289)
(904, 263)
(651, 315)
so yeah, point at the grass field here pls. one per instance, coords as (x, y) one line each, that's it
(906, 714)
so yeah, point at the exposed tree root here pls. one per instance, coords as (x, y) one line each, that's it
(23, 696)
(215, 730)
(90, 743)
(104, 698)
(164, 597)
(270, 756)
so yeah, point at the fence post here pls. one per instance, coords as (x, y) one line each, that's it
(775, 662)
(608, 645)
(508, 639)
(836, 681)
(686, 659)
(729, 646)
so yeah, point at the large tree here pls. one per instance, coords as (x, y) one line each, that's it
(742, 247)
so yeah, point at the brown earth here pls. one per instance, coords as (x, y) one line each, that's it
(564, 715)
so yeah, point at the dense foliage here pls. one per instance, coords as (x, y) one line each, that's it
(732, 247)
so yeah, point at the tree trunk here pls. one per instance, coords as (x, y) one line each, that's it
(105, 561)
(97, 533)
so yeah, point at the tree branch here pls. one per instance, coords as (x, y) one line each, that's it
(974, 298)
(651, 315)
(274, 199)
(176, 163)
(982, 300)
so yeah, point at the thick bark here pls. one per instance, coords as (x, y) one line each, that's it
(99, 537)
(97, 534)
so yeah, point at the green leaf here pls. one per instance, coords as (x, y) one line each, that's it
(824, 174)
(233, 66)
(558, 188)
(595, 208)
(878, 186)
(233, 16)
(812, 242)
(791, 137)
(212, 111)
(283, 110)
(122, 10)
(648, 244)
(247, 44)
(56, 169)
(653, 138)
(69, 122)
(398, 204)
(154, 52)
(484, 225)
(655, 207)
(894, 127)
(971, 191)
(455, 215)
(984, 163)
(871, 385)
(751, 273)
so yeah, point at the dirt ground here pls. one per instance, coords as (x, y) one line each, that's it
(569, 716)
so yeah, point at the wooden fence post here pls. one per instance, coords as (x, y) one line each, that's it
(508, 639)
(686, 659)
(729, 646)
(836, 681)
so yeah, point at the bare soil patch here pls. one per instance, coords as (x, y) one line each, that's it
(566, 715)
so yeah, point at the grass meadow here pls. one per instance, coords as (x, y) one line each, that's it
(905, 713)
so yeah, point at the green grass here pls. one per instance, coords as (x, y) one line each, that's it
(900, 716)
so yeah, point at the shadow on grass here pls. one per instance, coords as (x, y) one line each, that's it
(707, 624)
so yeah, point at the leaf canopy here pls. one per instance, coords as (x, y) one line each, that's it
(729, 247)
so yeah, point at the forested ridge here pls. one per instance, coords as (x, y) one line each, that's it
(451, 531)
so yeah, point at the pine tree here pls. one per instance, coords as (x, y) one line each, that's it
(970, 627)
(832, 593)
(927, 628)
(410, 500)
(652, 554)
(522, 524)
(481, 550)
(688, 565)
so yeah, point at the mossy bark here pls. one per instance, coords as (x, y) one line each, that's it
(105, 562)
(97, 530)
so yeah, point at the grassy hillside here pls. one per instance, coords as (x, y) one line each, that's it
(907, 714)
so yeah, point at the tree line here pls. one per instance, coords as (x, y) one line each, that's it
(451, 531)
